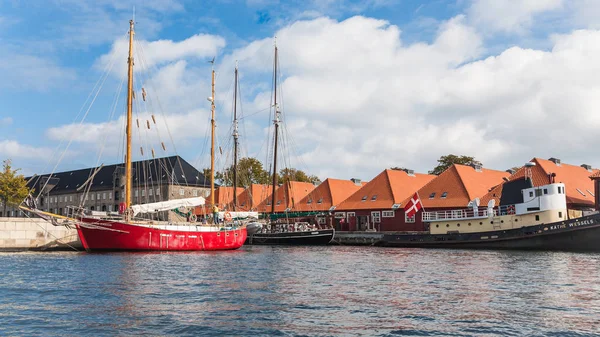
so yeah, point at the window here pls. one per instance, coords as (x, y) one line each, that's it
(194, 193)
(60, 199)
(98, 196)
(309, 201)
(560, 215)
(320, 201)
(538, 192)
(104, 195)
(116, 208)
(86, 197)
(387, 214)
(268, 202)
(545, 191)
(150, 191)
(181, 191)
(578, 190)
(374, 197)
(70, 198)
(109, 195)
(339, 215)
(444, 195)
(531, 194)
(157, 191)
(242, 204)
(92, 196)
(590, 192)
(364, 198)
(116, 195)
(136, 193)
(432, 195)
(143, 193)
(278, 202)
(350, 215)
(81, 197)
(537, 218)
(376, 216)
(409, 219)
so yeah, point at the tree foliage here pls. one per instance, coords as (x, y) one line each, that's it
(13, 186)
(446, 161)
(251, 171)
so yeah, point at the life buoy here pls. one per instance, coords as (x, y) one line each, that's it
(228, 216)
(510, 209)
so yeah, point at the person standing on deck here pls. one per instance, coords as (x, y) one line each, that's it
(215, 214)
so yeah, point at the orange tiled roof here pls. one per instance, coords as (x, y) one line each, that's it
(386, 189)
(461, 184)
(329, 193)
(595, 175)
(575, 178)
(286, 196)
(224, 195)
(253, 196)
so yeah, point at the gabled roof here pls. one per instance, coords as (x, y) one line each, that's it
(286, 196)
(458, 185)
(329, 193)
(252, 197)
(575, 178)
(172, 169)
(224, 195)
(386, 189)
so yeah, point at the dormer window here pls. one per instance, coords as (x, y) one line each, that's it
(243, 203)
(444, 195)
(374, 197)
(364, 198)
(309, 201)
(320, 201)
(278, 202)
(432, 195)
(578, 190)
(590, 192)
(268, 202)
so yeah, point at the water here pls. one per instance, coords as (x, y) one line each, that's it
(296, 291)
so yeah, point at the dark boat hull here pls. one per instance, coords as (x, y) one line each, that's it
(578, 235)
(305, 238)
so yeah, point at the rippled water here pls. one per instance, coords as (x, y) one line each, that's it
(289, 291)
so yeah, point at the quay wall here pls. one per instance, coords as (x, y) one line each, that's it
(17, 234)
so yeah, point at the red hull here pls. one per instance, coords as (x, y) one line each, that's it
(119, 236)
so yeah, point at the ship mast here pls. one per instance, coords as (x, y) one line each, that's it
(276, 123)
(212, 139)
(235, 139)
(128, 177)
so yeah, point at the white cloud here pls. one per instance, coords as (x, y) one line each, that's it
(24, 71)
(358, 100)
(6, 121)
(148, 55)
(509, 16)
(14, 150)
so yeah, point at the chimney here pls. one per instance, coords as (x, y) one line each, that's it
(409, 172)
(476, 165)
(356, 182)
(555, 161)
(587, 167)
(596, 179)
(511, 171)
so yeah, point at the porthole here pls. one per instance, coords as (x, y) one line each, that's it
(457, 225)
(469, 224)
(492, 222)
(437, 226)
(516, 220)
(447, 225)
(481, 223)
(501, 221)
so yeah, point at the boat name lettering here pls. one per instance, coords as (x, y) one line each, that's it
(314, 233)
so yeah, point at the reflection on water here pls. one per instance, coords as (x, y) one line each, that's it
(341, 291)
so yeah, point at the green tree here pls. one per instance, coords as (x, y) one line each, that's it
(292, 174)
(13, 186)
(446, 161)
(250, 171)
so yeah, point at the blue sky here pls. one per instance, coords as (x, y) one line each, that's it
(366, 84)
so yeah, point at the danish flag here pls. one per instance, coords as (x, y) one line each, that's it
(413, 206)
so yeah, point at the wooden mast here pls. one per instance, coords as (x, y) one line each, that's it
(276, 122)
(235, 139)
(128, 176)
(212, 141)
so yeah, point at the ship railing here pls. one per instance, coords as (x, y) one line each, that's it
(455, 214)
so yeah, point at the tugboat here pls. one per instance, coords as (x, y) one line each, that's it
(528, 218)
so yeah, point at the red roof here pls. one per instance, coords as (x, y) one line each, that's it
(578, 186)
(286, 196)
(329, 193)
(458, 185)
(386, 189)
(224, 195)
